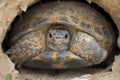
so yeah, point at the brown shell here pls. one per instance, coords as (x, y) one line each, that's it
(76, 16)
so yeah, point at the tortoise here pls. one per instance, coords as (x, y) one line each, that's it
(61, 35)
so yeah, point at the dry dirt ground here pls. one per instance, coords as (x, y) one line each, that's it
(73, 74)
(70, 74)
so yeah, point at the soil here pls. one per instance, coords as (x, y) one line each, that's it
(69, 74)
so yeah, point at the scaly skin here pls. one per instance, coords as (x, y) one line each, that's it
(58, 38)
(29, 46)
(87, 48)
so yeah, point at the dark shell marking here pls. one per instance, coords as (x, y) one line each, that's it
(91, 36)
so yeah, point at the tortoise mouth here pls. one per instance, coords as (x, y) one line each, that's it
(56, 60)
(57, 47)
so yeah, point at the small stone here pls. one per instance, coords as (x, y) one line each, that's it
(84, 77)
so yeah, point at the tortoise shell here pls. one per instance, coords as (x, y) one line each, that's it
(81, 21)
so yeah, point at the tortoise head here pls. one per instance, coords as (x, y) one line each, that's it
(58, 38)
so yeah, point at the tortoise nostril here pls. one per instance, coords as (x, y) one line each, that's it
(57, 37)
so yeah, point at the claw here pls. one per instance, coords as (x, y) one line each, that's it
(11, 58)
(19, 65)
(8, 52)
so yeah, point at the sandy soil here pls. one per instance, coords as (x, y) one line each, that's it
(69, 74)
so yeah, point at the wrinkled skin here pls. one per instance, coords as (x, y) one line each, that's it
(27, 47)
(92, 51)
(58, 38)
(61, 35)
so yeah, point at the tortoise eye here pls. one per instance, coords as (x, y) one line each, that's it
(66, 36)
(50, 35)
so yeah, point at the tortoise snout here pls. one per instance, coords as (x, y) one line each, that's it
(58, 40)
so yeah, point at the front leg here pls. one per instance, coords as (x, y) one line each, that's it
(27, 47)
(87, 47)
